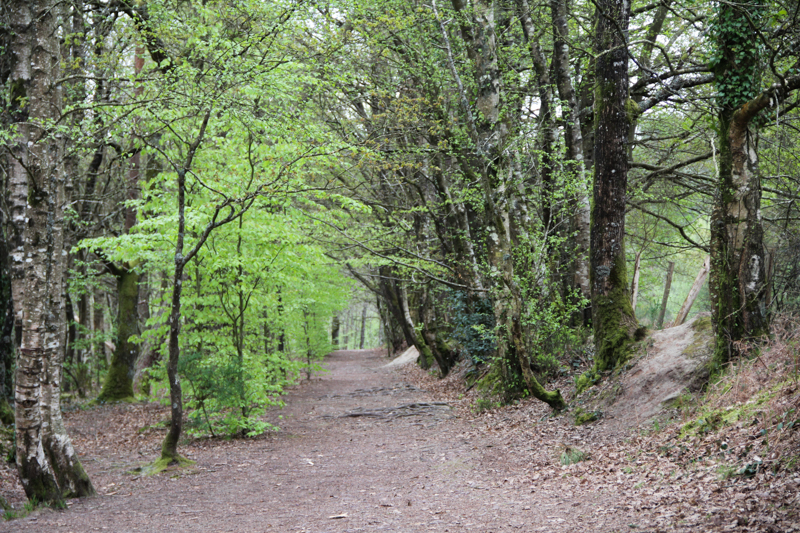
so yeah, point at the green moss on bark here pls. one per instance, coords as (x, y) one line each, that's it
(39, 486)
(73, 475)
(614, 324)
(586, 380)
(118, 385)
(163, 463)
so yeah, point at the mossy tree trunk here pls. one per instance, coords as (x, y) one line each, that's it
(47, 463)
(442, 351)
(119, 379)
(388, 288)
(737, 279)
(613, 318)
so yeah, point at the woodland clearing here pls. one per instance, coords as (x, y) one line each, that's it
(367, 448)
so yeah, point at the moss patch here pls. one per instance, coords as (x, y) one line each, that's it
(6, 412)
(702, 324)
(585, 417)
(713, 420)
(586, 380)
(163, 464)
(118, 386)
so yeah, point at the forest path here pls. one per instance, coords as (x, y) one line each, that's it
(346, 450)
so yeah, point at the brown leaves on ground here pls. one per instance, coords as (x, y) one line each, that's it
(734, 471)
(739, 473)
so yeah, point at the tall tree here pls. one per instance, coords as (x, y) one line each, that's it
(119, 379)
(613, 318)
(47, 463)
(737, 279)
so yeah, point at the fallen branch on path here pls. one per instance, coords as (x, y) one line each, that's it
(409, 409)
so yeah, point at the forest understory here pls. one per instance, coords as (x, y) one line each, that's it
(364, 447)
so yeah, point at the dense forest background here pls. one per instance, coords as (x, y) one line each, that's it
(201, 199)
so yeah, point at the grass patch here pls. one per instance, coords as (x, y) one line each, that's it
(30, 506)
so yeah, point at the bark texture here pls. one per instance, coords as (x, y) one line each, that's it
(119, 379)
(47, 463)
(6, 329)
(613, 319)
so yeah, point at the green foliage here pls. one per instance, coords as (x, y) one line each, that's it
(486, 403)
(736, 56)
(472, 320)
(253, 287)
(225, 397)
(258, 295)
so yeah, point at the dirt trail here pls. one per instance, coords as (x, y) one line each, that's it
(418, 468)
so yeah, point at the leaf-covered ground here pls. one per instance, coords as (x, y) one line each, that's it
(366, 448)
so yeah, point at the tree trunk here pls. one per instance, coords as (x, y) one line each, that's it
(119, 379)
(363, 327)
(737, 264)
(98, 327)
(488, 162)
(48, 465)
(573, 141)
(392, 297)
(737, 280)
(148, 350)
(6, 330)
(546, 126)
(635, 283)
(426, 357)
(612, 316)
(335, 332)
(699, 281)
(770, 275)
(169, 448)
(665, 299)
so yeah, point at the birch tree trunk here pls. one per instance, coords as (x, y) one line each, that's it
(699, 281)
(47, 463)
(667, 286)
(573, 140)
(6, 328)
